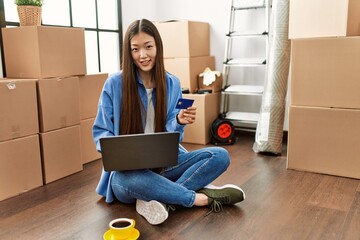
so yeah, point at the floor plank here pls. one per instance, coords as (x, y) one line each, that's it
(335, 193)
(351, 228)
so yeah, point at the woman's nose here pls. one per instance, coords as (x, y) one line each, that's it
(142, 53)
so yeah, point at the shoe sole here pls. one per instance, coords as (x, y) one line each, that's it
(226, 186)
(153, 211)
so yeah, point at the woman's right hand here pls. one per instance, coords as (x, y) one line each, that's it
(187, 116)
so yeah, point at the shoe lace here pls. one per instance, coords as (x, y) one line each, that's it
(170, 207)
(216, 206)
(223, 199)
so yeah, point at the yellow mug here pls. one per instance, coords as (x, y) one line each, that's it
(122, 228)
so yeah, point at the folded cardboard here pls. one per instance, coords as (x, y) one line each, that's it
(188, 69)
(90, 89)
(61, 153)
(88, 148)
(42, 51)
(324, 140)
(324, 18)
(59, 103)
(208, 108)
(20, 166)
(210, 80)
(182, 38)
(325, 72)
(18, 109)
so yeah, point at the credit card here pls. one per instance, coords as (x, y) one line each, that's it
(184, 103)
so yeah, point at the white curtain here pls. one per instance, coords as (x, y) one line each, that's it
(269, 131)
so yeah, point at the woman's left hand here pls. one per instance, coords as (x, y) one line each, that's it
(187, 116)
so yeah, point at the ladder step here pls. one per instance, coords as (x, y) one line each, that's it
(248, 34)
(246, 62)
(245, 117)
(248, 4)
(249, 7)
(244, 89)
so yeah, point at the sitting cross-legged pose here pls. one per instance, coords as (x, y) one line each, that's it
(142, 98)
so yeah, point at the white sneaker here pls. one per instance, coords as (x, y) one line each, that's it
(153, 211)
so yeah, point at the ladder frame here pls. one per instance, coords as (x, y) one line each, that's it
(228, 63)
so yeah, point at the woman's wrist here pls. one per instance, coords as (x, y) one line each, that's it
(178, 121)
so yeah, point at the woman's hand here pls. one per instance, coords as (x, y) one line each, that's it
(187, 116)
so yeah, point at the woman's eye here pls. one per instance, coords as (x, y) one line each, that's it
(149, 46)
(134, 49)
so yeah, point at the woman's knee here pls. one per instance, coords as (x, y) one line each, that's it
(121, 184)
(127, 179)
(221, 155)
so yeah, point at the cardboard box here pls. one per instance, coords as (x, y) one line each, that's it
(210, 81)
(20, 166)
(324, 140)
(90, 90)
(43, 52)
(88, 148)
(325, 72)
(59, 103)
(324, 18)
(18, 109)
(192, 39)
(188, 69)
(61, 153)
(208, 109)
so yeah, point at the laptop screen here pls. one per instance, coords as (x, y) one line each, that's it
(140, 151)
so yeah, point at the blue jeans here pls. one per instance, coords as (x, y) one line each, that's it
(175, 185)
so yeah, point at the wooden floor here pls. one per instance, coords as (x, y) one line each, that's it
(280, 204)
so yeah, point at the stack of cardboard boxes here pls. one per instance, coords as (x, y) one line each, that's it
(20, 161)
(41, 140)
(186, 55)
(324, 114)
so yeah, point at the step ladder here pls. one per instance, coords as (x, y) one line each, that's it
(244, 120)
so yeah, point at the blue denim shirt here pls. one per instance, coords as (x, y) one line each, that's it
(107, 121)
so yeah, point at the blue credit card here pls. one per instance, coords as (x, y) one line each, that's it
(184, 103)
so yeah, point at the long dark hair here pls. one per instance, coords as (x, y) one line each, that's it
(132, 110)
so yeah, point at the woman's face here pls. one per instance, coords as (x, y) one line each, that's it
(143, 51)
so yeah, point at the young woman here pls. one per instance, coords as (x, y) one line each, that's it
(142, 99)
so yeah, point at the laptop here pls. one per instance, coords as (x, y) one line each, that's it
(140, 151)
